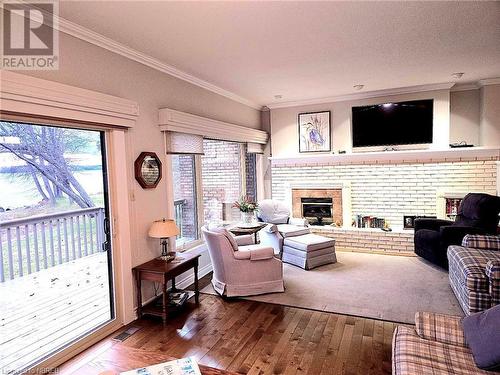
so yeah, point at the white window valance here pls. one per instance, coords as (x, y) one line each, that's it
(24, 95)
(181, 122)
(182, 143)
(255, 148)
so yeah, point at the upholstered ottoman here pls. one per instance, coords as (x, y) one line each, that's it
(308, 251)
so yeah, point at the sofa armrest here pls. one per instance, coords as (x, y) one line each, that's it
(440, 327)
(298, 222)
(481, 242)
(244, 240)
(432, 224)
(255, 253)
(454, 234)
(262, 253)
(493, 273)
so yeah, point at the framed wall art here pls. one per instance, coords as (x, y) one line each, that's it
(314, 131)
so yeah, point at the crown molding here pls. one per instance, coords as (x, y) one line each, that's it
(365, 95)
(465, 87)
(489, 81)
(182, 122)
(70, 28)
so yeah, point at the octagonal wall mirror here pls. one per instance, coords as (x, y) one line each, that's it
(148, 170)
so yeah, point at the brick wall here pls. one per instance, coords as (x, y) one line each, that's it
(393, 190)
(251, 176)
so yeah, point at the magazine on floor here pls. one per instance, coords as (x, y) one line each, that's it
(183, 366)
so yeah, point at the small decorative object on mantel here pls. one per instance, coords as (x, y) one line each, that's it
(314, 131)
(163, 229)
(409, 220)
(460, 144)
(148, 170)
(248, 208)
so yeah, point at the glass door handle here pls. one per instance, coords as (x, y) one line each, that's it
(107, 232)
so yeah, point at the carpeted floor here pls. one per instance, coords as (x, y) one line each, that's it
(369, 285)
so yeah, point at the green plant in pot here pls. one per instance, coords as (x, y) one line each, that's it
(248, 208)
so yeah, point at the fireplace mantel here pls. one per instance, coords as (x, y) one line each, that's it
(388, 157)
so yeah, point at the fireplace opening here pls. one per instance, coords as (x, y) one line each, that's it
(317, 210)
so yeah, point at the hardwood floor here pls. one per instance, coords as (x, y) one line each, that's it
(250, 337)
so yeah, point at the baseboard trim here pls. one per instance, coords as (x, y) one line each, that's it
(203, 271)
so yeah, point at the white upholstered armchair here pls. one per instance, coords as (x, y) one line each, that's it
(241, 268)
(277, 214)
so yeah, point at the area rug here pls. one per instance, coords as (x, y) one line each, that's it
(369, 285)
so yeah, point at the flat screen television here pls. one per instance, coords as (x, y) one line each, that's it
(387, 124)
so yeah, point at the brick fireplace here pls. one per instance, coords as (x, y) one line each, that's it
(304, 202)
(389, 185)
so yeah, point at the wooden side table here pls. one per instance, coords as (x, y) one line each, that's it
(160, 271)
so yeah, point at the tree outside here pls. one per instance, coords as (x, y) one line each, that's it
(45, 169)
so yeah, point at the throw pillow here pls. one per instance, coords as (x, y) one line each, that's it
(482, 334)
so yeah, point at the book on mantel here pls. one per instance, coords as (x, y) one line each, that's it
(183, 366)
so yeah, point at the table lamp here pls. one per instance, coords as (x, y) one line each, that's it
(163, 229)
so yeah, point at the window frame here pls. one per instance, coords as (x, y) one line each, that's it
(188, 245)
(199, 191)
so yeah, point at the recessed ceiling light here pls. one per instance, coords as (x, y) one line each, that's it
(457, 75)
(358, 87)
(278, 96)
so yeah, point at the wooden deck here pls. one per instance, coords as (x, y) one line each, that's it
(41, 312)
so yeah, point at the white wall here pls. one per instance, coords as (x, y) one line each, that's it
(464, 117)
(284, 128)
(489, 130)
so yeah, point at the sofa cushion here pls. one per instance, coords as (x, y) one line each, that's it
(412, 355)
(309, 242)
(288, 230)
(482, 333)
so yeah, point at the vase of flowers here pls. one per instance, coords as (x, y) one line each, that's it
(247, 207)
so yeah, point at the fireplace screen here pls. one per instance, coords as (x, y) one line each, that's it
(319, 211)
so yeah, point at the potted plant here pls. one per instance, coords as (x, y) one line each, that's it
(247, 207)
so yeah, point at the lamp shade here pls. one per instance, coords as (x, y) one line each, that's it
(163, 229)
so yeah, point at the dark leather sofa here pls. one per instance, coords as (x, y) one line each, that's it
(477, 214)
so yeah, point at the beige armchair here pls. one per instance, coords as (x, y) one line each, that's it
(241, 268)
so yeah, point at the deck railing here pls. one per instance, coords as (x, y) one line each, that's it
(179, 211)
(33, 243)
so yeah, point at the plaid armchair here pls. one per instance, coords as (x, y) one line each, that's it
(435, 346)
(475, 272)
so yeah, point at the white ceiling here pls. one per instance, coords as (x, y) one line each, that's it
(305, 50)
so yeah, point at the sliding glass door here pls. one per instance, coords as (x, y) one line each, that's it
(55, 254)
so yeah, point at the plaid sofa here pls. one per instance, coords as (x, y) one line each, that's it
(475, 272)
(435, 346)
